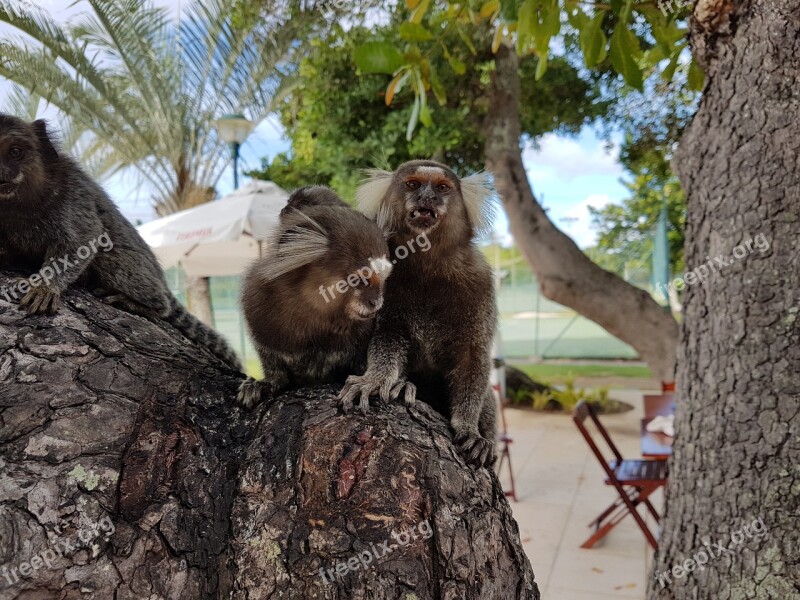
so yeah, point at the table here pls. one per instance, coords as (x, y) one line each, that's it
(657, 445)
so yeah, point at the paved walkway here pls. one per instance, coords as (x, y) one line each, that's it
(560, 490)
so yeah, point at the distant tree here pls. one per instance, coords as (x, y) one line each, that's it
(143, 90)
(652, 127)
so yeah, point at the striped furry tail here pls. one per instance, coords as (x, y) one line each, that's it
(202, 334)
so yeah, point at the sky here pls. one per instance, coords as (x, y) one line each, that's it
(568, 174)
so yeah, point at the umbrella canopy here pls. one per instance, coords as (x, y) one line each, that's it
(221, 237)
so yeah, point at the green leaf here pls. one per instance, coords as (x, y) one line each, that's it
(419, 12)
(412, 121)
(508, 10)
(577, 18)
(696, 78)
(466, 39)
(377, 57)
(437, 88)
(552, 19)
(459, 68)
(541, 67)
(669, 72)
(527, 16)
(593, 41)
(624, 52)
(414, 32)
(425, 116)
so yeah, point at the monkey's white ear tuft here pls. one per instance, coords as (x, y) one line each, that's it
(293, 247)
(371, 194)
(479, 200)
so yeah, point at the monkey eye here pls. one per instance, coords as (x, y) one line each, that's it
(15, 152)
(443, 187)
(412, 184)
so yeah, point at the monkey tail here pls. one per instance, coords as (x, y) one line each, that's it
(201, 333)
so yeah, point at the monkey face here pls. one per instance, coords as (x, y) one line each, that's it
(366, 289)
(428, 192)
(21, 168)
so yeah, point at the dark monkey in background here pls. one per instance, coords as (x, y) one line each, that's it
(436, 330)
(310, 302)
(53, 215)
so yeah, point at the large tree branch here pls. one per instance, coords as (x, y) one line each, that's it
(564, 273)
(122, 448)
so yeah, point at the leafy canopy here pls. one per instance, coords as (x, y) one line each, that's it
(339, 123)
(633, 38)
(142, 90)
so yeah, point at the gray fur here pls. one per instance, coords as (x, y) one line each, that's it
(434, 335)
(52, 209)
(301, 339)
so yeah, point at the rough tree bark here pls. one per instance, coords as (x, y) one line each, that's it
(564, 273)
(737, 448)
(121, 448)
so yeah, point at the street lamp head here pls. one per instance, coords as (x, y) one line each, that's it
(234, 129)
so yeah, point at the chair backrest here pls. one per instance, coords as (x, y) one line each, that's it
(580, 414)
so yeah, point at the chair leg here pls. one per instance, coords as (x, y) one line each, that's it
(613, 506)
(506, 455)
(513, 493)
(652, 510)
(627, 505)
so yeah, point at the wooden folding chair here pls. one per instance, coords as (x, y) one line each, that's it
(634, 480)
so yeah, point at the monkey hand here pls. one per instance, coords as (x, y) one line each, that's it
(41, 300)
(366, 385)
(251, 390)
(475, 449)
(408, 391)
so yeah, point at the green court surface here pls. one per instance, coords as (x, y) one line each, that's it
(530, 326)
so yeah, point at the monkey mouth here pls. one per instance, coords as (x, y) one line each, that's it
(359, 312)
(6, 189)
(423, 218)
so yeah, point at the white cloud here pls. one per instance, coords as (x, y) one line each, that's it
(576, 220)
(567, 158)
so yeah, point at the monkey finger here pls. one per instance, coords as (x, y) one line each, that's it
(396, 389)
(346, 399)
(353, 381)
(363, 403)
(410, 397)
(54, 303)
(249, 393)
(385, 390)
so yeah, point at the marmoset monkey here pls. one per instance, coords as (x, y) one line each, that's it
(435, 332)
(310, 302)
(53, 218)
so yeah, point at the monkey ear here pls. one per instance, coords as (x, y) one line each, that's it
(371, 196)
(46, 146)
(294, 245)
(479, 200)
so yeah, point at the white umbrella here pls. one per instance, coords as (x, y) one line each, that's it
(221, 237)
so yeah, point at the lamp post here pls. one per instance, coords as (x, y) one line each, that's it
(234, 129)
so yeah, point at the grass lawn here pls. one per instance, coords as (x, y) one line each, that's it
(559, 373)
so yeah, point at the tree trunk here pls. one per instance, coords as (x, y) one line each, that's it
(734, 485)
(563, 271)
(128, 473)
(198, 299)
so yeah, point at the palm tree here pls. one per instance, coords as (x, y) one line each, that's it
(141, 90)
